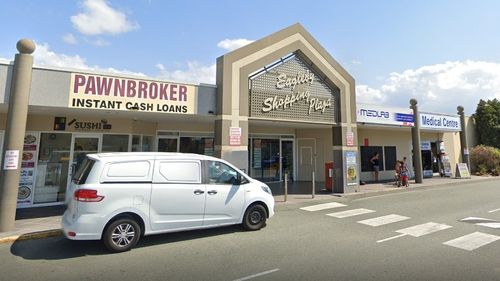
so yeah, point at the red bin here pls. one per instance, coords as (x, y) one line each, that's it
(329, 176)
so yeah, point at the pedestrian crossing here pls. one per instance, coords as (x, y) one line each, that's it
(383, 220)
(325, 206)
(350, 213)
(467, 242)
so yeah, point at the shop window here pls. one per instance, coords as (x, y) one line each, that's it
(367, 153)
(142, 143)
(136, 143)
(52, 168)
(147, 143)
(198, 145)
(115, 143)
(390, 157)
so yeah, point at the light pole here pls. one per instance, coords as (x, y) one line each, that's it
(14, 134)
(415, 136)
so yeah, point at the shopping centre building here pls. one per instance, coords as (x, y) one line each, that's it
(281, 106)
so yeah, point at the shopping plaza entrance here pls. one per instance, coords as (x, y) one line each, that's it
(271, 157)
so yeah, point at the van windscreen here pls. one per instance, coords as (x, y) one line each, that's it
(83, 171)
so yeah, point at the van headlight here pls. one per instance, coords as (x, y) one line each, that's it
(266, 189)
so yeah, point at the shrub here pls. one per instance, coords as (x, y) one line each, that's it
(485, 160)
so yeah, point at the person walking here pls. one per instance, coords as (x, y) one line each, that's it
(397, 173)
(375, 166)
(404, 172)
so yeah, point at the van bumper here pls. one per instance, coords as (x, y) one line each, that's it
(85, 227)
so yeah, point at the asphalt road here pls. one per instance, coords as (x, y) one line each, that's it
(298, 245)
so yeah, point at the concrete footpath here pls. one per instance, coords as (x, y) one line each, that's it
(45, 222)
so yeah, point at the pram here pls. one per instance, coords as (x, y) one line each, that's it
(403, 179)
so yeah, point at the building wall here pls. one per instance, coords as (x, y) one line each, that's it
(270, 130)
(400, 138)
(324, 151)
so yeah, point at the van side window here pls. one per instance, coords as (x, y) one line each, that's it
(220, 173)
(128, 169)
(127, 172)
(80, 176)
(180, 172)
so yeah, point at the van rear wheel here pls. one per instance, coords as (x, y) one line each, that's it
(121, 235)
(255, 217)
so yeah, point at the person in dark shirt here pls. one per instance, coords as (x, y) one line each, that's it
(375, 166)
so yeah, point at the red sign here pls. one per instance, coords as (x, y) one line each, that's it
(349, 138)
(235, 136)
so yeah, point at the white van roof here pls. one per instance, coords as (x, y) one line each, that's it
(151, 155)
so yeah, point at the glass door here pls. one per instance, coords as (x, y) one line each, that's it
(168, 144)
(81, 146)
(287, 159)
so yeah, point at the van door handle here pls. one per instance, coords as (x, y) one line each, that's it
(212, 192)
(199, 191)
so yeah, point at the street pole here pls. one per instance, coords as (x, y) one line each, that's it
(14, 134)
(313, 185)
(415, 136)
(464, 151)
(286, 186)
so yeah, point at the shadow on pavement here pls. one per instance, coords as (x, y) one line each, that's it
(57, 248)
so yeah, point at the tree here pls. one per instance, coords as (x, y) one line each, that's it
(487, 119)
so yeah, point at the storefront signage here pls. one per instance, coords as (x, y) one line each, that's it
(349, 138)
(11, 159)
(351, 168)
(115, 93)
(28, 168)
(425, 145)
(315, 104)
(462, 171)
(300, 78)
(235, 136)
(291, 91)
(85, 125)
(375, 114)
(439, 122)
(283, 81)
(445, 160)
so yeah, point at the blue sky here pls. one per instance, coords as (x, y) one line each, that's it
(443, 53)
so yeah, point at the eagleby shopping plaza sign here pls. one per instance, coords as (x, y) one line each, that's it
(115, 93)
(293, 92)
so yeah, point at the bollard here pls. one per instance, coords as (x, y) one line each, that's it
(313, 185)
(286, 186)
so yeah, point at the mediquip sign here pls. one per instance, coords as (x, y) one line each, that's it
(116, 93)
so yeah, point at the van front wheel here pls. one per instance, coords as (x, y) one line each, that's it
(121, 235)
(255, 217)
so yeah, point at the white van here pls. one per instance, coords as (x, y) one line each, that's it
(119, 197)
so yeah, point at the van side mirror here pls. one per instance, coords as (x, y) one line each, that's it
(236, 180)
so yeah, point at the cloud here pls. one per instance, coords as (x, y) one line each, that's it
(233, 44)
(100, 18)
(439, 87)
(70, 39)
(43, 56)
(99, 42)
(195, 73)
(4, 60)
(354, 61)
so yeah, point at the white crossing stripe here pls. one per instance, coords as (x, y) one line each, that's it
(350, 213)
(472, 241)
(384, 220)
(423, 229)
(325, 206)
(476, 220)
(490, 224)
